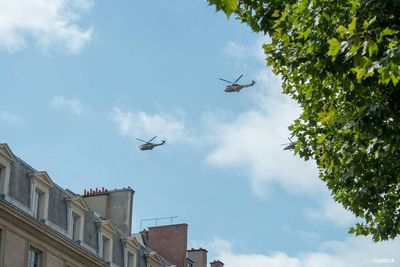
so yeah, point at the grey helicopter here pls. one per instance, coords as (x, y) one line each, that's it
(289, 146)
(148, 145)
(234, 87)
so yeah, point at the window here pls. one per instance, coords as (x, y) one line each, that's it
(76, 217)
(41, 185)
(106, 249)
(39, 207)
(131, 260)
(34, 258)
(2, 179)
(6, 159)
(76, 227)
(106, 232)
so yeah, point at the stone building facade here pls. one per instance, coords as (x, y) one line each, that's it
(43, 225)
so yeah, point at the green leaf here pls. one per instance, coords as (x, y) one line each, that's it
(321, 138)
(309, 92)
(366, 24)
(326, 117)
(352, 25)
(334, 47)
(360, 72)
(301, 6)
(388, 31)
(372, 49)
(392, 44)
(341, 30)
(228, 6)
(395, 79)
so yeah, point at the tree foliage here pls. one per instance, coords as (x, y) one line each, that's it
(340, 61)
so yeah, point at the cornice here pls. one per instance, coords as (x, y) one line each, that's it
(43, 178)
(131, 243)
(154, 257)
(6, 152)
(78, 202)
(107, 227)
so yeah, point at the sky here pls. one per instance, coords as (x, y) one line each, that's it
(82, 79)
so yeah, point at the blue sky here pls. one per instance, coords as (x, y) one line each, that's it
(81, 79)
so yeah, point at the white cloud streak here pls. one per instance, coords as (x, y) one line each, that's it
(10, 117)
(331, 211)
(242, 52)
(353, 252)
(143, 125)
(50, 23)
(72, 105)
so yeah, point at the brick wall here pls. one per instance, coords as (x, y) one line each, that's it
(170, 241)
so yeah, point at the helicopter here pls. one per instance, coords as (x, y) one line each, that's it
(234, 87)
(148, 145)
(289, 146)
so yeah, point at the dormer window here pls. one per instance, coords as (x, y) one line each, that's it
(76, 217)
(6, 159)
(153, 260)
(76, 227)
(106, 248)
(131, 259)
(39, 204)
(131, 250)
(41, 185)
(106, 232)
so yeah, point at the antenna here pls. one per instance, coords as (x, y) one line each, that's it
(156, 220)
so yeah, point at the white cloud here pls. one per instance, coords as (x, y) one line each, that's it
(251, 142)
(72, 105)
(306, 236)
(332, 211)
(143, 125)
(243, 52)
(353, 252)
(51, 23)
(10, 117)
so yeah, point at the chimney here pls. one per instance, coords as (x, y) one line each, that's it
(198, 257)
(217, 263)
(115, 205)
(170, 241)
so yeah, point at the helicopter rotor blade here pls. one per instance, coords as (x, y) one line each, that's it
(151, 139)
(226, 81)
(141, 140)
(238, 78)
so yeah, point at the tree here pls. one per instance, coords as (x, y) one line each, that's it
(340, 61)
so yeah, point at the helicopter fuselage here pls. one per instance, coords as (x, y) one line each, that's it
(233, 88)
(149, 146)
(237, 87)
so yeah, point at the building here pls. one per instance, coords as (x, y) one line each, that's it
(216, 263)
(197, 257)
(170, 241)
(43, 225)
